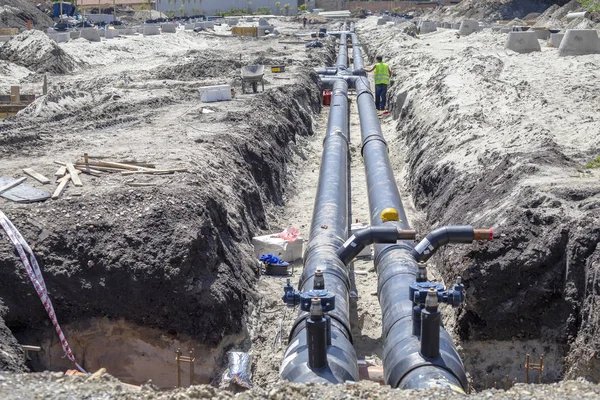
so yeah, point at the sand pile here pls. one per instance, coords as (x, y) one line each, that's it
(15, 13)
(487, 10)
(37, 52)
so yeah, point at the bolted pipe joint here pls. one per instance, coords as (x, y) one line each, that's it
(430, 326)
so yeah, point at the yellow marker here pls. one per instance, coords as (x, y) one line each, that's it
(389, 214)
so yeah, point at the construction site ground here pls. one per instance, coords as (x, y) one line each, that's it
(477, 135)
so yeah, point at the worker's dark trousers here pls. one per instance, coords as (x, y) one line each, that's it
(380, 94)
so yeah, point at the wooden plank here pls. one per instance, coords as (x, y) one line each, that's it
(12, 184)
(123, 166)
(155, 172)
(96, 170)
(61, 171)
(73, 174)
(37, 176)
(90, 171)
(141, 184)
(61, 186)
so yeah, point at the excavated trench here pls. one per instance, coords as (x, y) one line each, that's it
(530, 290)
(152, 272)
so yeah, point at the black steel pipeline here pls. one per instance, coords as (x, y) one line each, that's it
(329, 229)
(396, 267)
(342, 58)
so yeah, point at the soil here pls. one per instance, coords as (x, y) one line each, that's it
(16, 13)
(175, 256)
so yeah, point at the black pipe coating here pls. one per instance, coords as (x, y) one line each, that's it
(329, 228)
(367, 236)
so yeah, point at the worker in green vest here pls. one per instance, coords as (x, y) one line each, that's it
(382, 80)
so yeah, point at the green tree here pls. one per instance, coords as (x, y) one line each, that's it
(591, 5)
(286, 7)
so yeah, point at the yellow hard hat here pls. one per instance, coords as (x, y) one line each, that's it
(389, 214)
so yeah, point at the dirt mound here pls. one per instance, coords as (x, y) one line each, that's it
(200, 65)
(16, 13)
(37, 52)
(555, 16)
(489, 10)
(11, 354)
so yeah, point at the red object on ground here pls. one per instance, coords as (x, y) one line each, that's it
(327, 97)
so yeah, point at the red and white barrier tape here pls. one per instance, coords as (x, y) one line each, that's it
(33, 270)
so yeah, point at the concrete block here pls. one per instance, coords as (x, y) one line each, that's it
(263, 22)
(438, 24)
(427, 27)
(112, 33)
(90, 34)
(74, 34)
(265, 30)
(209, 94)
(386, 18)
(189, 27)
(505, 30)
(250, 19)
(53, 35)
(447, 25)
(522, 42)
(102, 33)
(169, 28)
(555, 40)
(5, 38)
(578, 42)
(151, 30)
(542, 34)
(62, 37)
(496, 28)
(468, 26)
(232, 21)
(381, 21)
(455, 26)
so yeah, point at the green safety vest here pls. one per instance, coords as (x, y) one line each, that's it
(382, 74)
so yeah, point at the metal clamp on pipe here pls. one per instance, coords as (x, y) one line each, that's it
(448, 234)
(373, 234)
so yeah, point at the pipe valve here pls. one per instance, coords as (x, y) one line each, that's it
(453, 296)
(293, 298)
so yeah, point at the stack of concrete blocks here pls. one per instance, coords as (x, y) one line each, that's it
(468, 26)
(447, 25)
(577, 42)
(455, 26)
(542, 34)
(522, 42)
(427, 27)
(150, 30)
(112, 33)
(169, 28)
(90, 34)
(555, 40)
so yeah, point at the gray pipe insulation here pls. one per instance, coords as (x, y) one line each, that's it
(329, 229)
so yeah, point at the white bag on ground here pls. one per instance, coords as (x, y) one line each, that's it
(239, 371)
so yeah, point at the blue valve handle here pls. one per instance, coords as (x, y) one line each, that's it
(454, 296)
(293, 297)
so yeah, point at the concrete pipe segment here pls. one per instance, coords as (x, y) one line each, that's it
(427, 27)
(169, 28)
(522, 42)
(583, 14)
(90, 34)
(577, 42)
(150, 30)
(555, 40)
(468, 26)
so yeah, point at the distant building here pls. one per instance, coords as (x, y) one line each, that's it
(211, 7)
